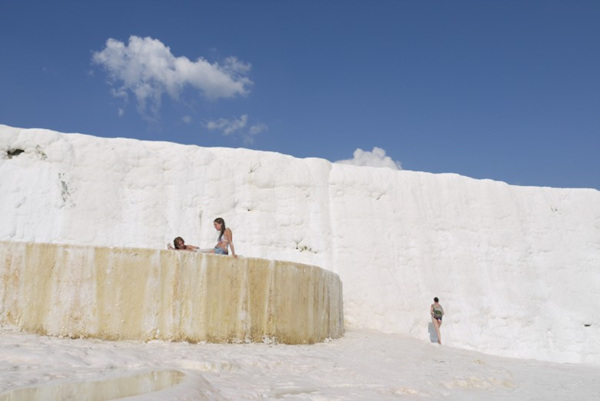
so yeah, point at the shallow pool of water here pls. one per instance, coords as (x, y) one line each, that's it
(99, 390)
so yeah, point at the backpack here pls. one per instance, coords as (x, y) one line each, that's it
(438, 312)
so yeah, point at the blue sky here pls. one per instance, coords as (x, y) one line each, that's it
(505, 90)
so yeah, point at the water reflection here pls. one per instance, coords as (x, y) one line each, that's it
(100, 390)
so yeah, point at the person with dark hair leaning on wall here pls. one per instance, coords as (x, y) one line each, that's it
(179, 245)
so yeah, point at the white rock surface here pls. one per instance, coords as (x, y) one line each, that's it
(516, 268)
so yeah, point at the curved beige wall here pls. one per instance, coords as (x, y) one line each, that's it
(143, 294)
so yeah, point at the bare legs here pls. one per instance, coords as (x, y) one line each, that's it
(437, 324)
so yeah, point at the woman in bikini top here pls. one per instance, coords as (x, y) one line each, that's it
(225, 238)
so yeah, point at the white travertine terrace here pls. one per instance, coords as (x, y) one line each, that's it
(516, 268)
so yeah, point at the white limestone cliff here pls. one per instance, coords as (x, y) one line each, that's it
(516, 268)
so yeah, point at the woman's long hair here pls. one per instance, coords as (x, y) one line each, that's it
(222, 223)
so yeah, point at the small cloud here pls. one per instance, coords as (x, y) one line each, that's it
(258, 128)
(375, 158)
(121, 112)
(186, 119)
(230, 126)
(253, 131)
(146, 68)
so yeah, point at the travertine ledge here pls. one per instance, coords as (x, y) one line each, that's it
(143, 294)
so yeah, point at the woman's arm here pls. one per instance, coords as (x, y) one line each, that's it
(229, 236)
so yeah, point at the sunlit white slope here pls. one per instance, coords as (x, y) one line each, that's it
(516, 268)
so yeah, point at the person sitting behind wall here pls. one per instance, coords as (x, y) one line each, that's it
(224, 240)
(179, 245)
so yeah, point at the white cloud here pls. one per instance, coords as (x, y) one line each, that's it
(187, 119)
(146, 68)
(229, 126)
(375, 158)
(258, 128)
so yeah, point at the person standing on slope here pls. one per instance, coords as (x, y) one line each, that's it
(437, 312)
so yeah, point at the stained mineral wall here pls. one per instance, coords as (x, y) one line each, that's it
(144, 294)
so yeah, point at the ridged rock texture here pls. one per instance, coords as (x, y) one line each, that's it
(517, 269)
